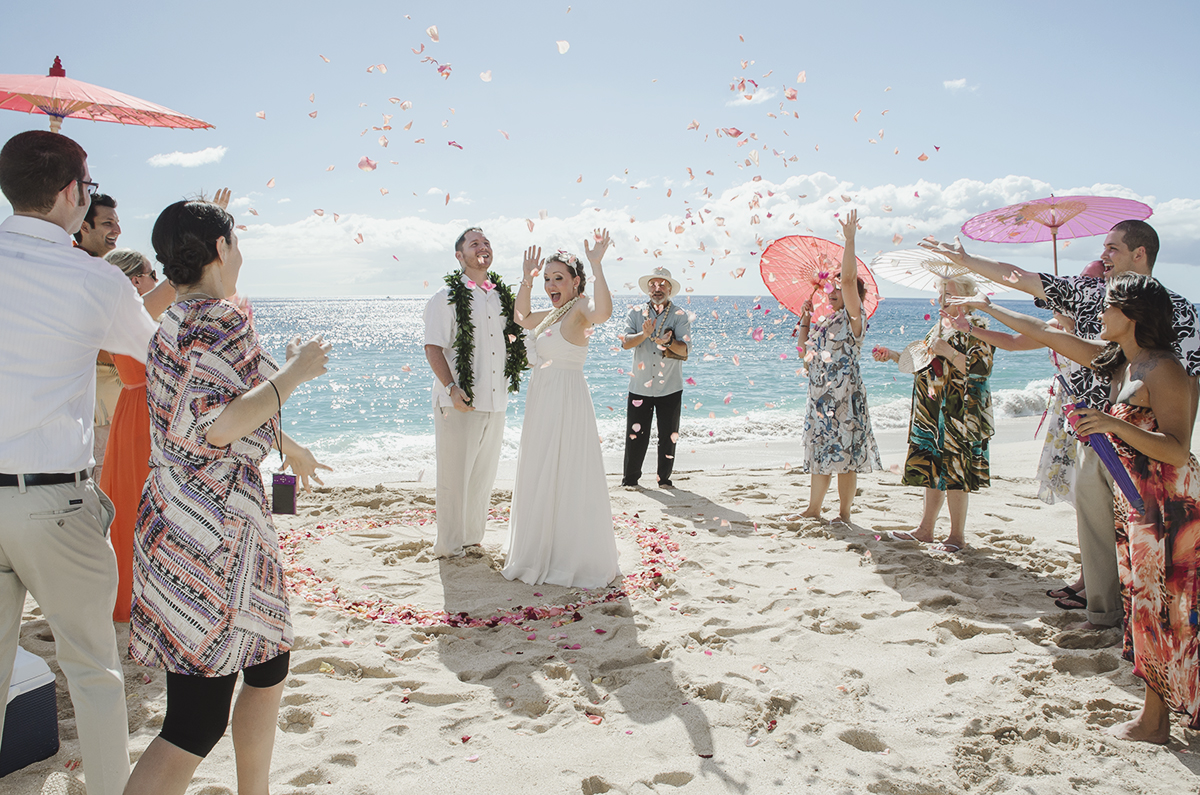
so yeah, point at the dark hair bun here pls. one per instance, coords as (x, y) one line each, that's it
(185, 238)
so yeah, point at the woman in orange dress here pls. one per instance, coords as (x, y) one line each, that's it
(127, 456)
(1152, 411)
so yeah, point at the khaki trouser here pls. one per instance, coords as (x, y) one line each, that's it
(54, 544)
(1097, 539)
(468, 454)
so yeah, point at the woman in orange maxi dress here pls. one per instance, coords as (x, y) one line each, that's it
(127, 456)
(1153, 406)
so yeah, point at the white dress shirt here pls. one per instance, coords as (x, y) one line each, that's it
(490, 387)
(58, 307)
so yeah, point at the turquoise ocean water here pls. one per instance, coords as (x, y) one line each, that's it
(371, 413)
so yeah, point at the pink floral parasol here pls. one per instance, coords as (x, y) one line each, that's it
(798, 267)
(1054, 217)
(59, 97)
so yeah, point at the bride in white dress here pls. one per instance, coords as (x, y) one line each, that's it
(560, 530)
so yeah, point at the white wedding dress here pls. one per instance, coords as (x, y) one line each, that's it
(560, 530)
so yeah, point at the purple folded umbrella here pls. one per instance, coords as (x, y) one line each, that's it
(1107, 454)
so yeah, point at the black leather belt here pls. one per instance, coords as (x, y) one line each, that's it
(44, 479)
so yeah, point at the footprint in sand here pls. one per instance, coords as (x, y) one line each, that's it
(863, 740)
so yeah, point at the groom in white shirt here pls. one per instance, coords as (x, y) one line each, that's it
(477, 353)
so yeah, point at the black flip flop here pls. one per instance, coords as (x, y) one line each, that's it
(1073, 602)
(1070, 592)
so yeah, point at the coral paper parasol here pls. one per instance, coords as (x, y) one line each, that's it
(59, 97)
(799, 267)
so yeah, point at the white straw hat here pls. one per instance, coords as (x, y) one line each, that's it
(659, 273)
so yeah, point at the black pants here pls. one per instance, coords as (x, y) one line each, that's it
(639, 411)
(198, 706)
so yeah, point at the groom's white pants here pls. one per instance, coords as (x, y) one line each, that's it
(468, 454)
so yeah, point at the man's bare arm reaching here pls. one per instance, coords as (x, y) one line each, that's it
(999, 272)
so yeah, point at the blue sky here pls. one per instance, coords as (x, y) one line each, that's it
(1009, 102)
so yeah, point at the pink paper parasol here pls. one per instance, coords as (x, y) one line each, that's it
(1054, 217)
(59, 97)
(798, 267)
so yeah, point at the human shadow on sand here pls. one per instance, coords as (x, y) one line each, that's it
(546, 676)
(701, 512)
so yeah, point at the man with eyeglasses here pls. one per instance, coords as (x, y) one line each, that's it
(57, 309)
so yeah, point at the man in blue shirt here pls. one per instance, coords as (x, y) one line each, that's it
(659, 333)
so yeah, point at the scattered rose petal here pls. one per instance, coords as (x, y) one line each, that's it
(923, 157)
(271, 182)
(595, 720)
(473, 758)
(486, 76)
(262, 114)
(563, 46)
(367, 164)
(433, 33)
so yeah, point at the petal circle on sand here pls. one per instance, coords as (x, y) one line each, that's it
(659, 554)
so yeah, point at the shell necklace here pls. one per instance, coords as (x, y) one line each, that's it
(554, 317)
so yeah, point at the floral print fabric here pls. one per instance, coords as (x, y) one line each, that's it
(952, 420)
(837, 424)
(1157, 556)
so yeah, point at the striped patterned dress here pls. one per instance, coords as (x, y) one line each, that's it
(208, 591)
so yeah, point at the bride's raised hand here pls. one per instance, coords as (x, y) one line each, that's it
(533, 261)
(603, 241)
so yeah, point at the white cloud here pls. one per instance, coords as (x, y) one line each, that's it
(239, 202)
(615, 178)
(957, 85)
(299, 252)
(212, 154)
(283, 201)
(759, 97)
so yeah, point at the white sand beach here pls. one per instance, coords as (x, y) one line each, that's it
(767, 656)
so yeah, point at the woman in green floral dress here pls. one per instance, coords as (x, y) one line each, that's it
(951, 423)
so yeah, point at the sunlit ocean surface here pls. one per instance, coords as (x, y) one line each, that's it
(371, 413)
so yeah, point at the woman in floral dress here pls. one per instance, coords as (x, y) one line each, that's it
(950, 426)
(1150, 421)
(837, 425)
(208, 592)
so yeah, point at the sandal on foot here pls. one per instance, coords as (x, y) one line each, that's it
(946, 546)
(1065, 592)
(1072, 602)
(903, 535)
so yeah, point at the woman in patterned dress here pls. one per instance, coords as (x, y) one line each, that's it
(950, 426)
(1150, 420)
(837, 424)
(208, 592)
